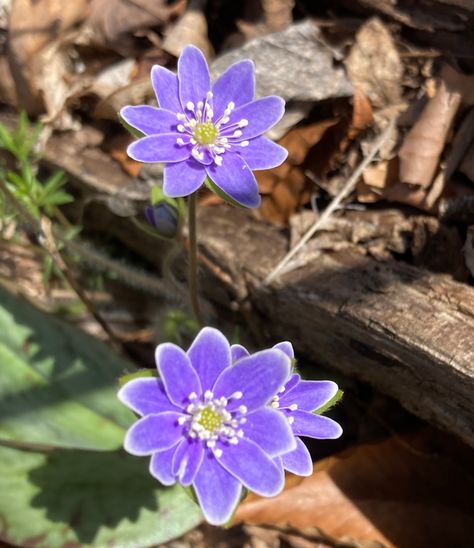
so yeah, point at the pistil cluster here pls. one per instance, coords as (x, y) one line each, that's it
(208, 419)
(210, 139)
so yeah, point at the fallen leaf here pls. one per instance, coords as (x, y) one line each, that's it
(374, 64)
(469, 249)
(191, 28)
(265, 16)
(400, 492)
(114, 21)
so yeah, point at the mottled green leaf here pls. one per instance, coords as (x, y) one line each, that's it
(57, 384)
(66, 498)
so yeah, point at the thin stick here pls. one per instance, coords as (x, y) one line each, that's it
(344, 192)
(193, 259)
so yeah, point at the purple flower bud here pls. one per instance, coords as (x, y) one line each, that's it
(163, 217)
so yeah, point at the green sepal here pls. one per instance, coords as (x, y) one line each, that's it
(211, 185)
(133, 131)
(143, 373)
(331, 403)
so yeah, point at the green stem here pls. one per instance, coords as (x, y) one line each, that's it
(193, 262)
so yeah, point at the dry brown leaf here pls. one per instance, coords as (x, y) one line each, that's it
(374, 64)
(385, 491)
(469, 249)
(421, 149)
(33, 27)
(191, 28)
(265, 16)
(113, 21)
(285, 187)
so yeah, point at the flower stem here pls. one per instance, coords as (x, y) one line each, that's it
(193, 262)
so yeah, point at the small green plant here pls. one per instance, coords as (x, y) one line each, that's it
(20, 173)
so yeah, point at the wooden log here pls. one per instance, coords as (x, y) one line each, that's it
(407, 332)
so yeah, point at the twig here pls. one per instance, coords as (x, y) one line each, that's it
(344, 192)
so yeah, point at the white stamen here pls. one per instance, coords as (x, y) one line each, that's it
(282, 389)
(275, 405)
(211, 444)
(200, 105)
(291, 420)
(208, 395)
(234, 441)
(190, 105)
(218, 453)
(225, 120)
(182, 420)
(193, 141)
(237, 395)
(181, 128)
(237, 133)
(244, 144)
(293, 407)
(180, 141)
(209, 95)
(243, 409)
(181, 116)
(218, 160)
(243, 122)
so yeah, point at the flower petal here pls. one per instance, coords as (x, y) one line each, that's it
(253, 467)
(258, 377)
(160, 466)
(309, 395)
(217, 491)
(270, 430)
(165, 86)
(150, 120)
(299, 460)
(262, 153)
(287, 348)
(292, 382)
(153, 433)
(315, 426)
(209, 355)
(261, 115)
(177, 373)
(236, 179)
(187, 460)
(238, 351)
(193, 76)
(183, 178)
(159, 148)
(145, 396)
(236, 84)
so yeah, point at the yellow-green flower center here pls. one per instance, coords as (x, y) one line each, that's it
(205, 133)
(210, 420)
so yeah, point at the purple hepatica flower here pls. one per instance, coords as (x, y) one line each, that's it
(203, 129)
(297, 400)
(207, 423)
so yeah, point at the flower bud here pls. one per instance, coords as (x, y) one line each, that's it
(164, 218)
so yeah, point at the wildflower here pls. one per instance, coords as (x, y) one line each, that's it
(297, 400)
(207, 423)
(207, 130)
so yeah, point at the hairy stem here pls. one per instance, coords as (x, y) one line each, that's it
(193, 259)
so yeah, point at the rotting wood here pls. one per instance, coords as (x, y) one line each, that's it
(405, 331)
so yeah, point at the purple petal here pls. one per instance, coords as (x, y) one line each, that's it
(218, 492)
(309, 395)
(160, 466)
(270, 430)
(238, 352)
(177, 373)
(236, 179)
(165, 85)
(261, 115)
(315, 426)
(253, 467)
(193, 76)
(236, 84)
(158, 148)
(262, 153)
(153, 433)
(183, 178)
(187, 460)
(299, 460)
(287, 348)
(150, 120)
(209, 355)
(145, 396)
(257, 377)
(294, 380)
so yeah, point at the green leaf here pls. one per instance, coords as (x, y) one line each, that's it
(57, 384)
(143, 373)
(81, 498)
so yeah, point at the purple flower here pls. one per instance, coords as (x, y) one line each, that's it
(207, 130)
(207, 422)
(297, 400)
